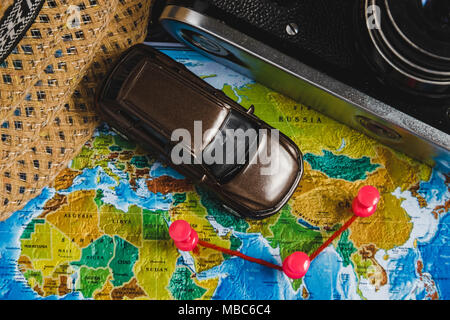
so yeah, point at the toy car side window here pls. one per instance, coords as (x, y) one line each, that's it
(157, 137)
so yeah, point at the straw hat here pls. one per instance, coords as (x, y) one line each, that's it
(53, 54)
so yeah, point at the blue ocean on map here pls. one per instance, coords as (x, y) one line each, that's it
(435, 253)
(257, 282)
(159, 170)
(321, 279)
(436, 257)
(435, 187)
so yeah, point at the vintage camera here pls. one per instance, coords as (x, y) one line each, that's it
(380, 66)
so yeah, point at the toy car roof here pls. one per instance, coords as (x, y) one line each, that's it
(177, 103)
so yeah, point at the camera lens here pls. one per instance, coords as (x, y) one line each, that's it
(423, 23)
(409, 43)
(436, 17)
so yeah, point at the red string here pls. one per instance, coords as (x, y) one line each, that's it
(240, 255)
(334, 236)
(271, 265)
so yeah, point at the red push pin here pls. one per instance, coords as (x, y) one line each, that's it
(364, 205)
(296, 265)
(183, 235)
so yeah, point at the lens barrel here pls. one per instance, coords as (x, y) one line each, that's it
(407, 42)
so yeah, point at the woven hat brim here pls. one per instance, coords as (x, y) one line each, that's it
(47, 108)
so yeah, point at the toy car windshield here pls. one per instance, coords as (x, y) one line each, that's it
(235, 140)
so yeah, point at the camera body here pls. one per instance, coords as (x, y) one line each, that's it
(320, 53)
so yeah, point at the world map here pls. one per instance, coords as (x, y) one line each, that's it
(100, 231)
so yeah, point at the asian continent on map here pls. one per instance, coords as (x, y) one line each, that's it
(100, 231)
